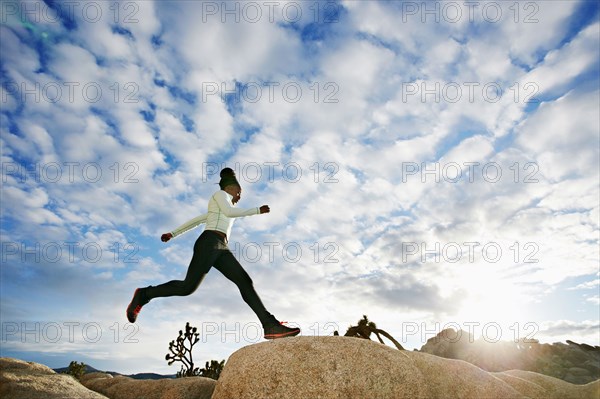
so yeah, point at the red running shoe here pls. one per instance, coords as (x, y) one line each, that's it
(280, 331)
(135, 306)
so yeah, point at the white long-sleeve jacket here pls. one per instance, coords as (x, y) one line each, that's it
(220, 215)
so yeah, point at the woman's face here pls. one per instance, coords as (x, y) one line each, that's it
(235, 192)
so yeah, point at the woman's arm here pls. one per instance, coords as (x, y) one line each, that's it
(189, 225)
(229, 210)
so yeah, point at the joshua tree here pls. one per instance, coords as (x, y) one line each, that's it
(182, 353)
(213, 370)
(76, 369)
(364, 330)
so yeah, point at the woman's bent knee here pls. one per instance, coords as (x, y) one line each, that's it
(185, 289)
(188, 290)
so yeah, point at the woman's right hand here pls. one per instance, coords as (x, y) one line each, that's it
(166, 237)
(265, 209)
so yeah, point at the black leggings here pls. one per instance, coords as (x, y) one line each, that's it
(210, 250)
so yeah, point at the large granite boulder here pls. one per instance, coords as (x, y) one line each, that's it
(27, 380)
(345, 368)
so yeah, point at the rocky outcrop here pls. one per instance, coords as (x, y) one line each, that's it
(27, 380)
(92, 376)
(571, 362)
(121, 387)
(343, 367)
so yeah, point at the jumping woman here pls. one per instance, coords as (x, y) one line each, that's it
(211, 250)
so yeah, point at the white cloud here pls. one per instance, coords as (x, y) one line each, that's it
(525, 20)
(28, 206)
(562, 130)
(586, 331)
(595, 300)
(24, 59)
(255, 49)
(562, 65)
(587, 285)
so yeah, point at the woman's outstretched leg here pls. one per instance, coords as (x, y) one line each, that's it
(227, 264)
(205, 253)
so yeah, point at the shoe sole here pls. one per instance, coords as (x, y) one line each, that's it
(283, 335)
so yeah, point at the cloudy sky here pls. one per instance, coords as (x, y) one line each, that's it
(430, 166)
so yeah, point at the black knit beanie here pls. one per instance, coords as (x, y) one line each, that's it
(228, 178)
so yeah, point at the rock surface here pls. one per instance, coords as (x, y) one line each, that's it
(342, 367)
(539, 386)
(122, 387)
(27, 380)
(572, 362)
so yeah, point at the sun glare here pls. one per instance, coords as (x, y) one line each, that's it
(495, 303)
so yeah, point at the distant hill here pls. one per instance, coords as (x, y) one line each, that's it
(138, 376)
(149, 376)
